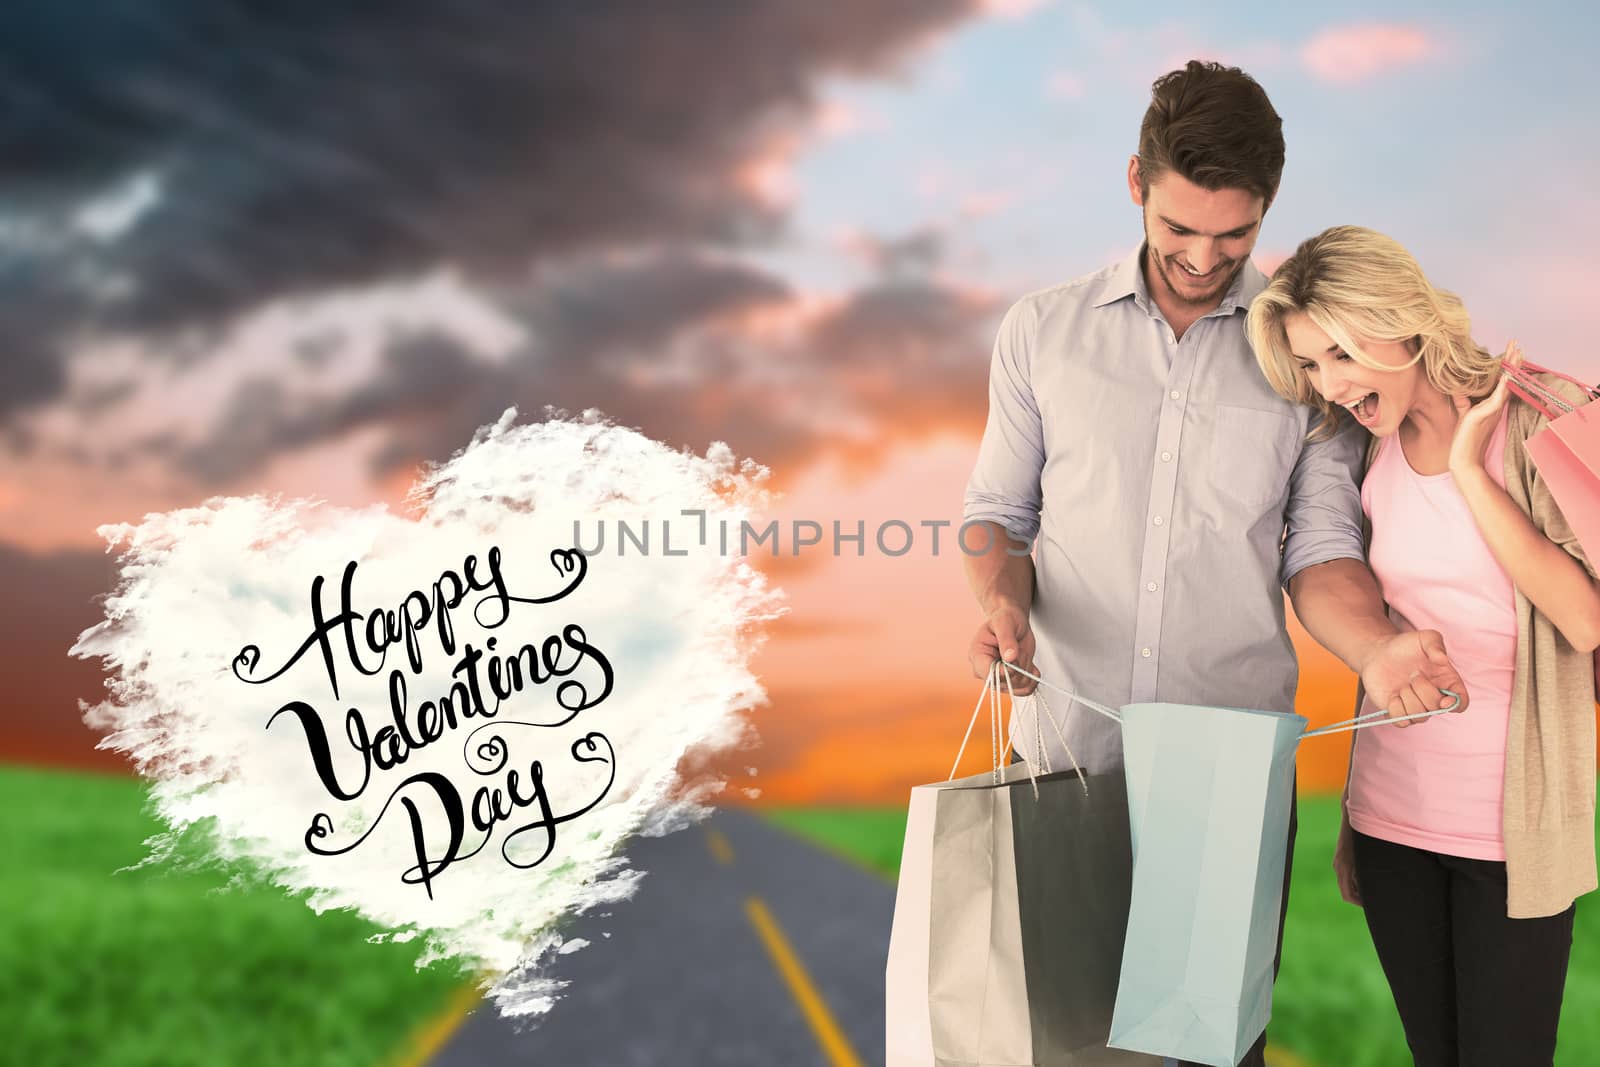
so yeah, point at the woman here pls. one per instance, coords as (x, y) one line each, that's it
(1466, 838)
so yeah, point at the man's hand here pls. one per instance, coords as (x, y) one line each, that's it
(1004, 634)
(1344, 863)
(1403, 673)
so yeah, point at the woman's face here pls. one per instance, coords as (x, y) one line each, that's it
(1380, 400)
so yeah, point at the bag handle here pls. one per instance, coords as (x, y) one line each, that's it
(1114, 716)
(1536, 395)
(991, 693)
(990, 685)
(1378, 718)
(1591, 391)
(1359, 723)
(1038, 737)
(1539, 396)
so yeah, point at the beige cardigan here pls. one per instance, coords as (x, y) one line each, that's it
(1549, 818)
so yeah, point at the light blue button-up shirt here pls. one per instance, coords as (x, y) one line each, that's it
(1172, 494)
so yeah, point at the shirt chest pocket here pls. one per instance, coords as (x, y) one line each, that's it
(1252, 453)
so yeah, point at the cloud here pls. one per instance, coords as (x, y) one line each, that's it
(689, 348)
(1348, 55)
(341, 149)
(916, 253)
(1014, 10)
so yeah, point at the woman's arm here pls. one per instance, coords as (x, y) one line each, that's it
(1557, 584)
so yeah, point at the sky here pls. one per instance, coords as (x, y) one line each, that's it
(307, 251)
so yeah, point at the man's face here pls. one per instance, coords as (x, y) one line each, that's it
(1199, 239)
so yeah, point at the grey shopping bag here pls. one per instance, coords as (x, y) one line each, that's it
(1009, 920)
(1209, 795)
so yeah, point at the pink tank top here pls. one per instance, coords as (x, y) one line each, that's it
(1438, 785)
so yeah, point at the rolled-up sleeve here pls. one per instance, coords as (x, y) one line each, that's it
(1004, 487)
(1324, 512)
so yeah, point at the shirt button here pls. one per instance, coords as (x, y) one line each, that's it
(1145, 652)
(1151, 586)
(1175, 394)
(1156, 520)
(1166, 457)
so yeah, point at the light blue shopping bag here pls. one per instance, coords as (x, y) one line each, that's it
(1209, 794)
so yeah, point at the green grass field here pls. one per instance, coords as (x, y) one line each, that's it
(153, 968)
(156, 969)
(1331, 1006)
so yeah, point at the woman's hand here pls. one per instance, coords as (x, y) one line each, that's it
(1344, 861)
(1475, 422)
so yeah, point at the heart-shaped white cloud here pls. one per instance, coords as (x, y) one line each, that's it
(214, 603)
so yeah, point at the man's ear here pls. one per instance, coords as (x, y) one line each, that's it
(1134, 188)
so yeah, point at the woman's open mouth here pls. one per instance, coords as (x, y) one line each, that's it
(1365, 410)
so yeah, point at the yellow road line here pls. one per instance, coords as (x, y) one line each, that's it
(828, 1034)
(1278, 1056)
(431, 1038)
(720, 847)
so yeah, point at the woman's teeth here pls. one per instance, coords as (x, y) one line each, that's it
(1361, 409)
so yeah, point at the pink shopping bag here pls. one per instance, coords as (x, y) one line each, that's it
(1567, 453)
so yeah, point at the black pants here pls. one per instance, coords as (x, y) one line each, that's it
(1472, 986)
(1257, 1056)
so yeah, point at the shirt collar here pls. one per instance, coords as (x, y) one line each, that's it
(1127, 279)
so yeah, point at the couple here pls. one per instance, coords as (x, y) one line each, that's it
(1186, 440)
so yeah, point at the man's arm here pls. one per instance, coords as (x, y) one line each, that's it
(1002, 504)
(1001, 579)
(1335, 595)
(1339, 604)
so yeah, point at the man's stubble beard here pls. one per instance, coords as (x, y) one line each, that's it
(1211, 296)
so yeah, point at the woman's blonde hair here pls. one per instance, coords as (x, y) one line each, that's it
(1354, 282)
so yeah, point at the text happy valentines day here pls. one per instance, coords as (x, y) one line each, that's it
(482, 681)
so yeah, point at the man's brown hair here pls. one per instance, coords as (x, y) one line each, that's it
(1214, 126)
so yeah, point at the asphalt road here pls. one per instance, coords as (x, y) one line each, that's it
(744, 945)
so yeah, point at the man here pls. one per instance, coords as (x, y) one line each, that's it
(1173, 494)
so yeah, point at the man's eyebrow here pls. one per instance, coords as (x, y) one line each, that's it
(1239, 230)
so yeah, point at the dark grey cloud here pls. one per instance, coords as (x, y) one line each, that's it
(906, 357)
(592, 306)
(589, 321)
(302, 147)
